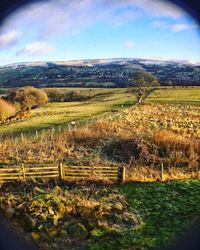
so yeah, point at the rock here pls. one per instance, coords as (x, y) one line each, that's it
(35, 236)
(78, 231)
(118, 207)
(29, 221)
(47, 196)
(130, 218)
(50, 210)
(9, 212)
(63, 233)
(118, 218)
(43, 217)
(52, 232)
(57, 190)
(40, 227)
(103, 224)
(39, 190)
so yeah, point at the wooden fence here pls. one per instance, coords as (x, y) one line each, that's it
(64, 172)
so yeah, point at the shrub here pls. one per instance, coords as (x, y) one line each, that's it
(28, 97)
(57, 95)
(7, 110)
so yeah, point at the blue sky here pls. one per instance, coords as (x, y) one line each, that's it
(83, 29)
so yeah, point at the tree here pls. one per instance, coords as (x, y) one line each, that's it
(27, 98)
(143, 79)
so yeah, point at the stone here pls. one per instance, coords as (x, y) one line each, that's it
(57, 190)
(63, 233)
(78, 231)
(130, 218)
(43, 217)
(9, 212)
(38, 190)
(30, 222)
(52, 232)
(35, 236)
(118, 207)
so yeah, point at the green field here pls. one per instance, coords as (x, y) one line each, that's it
(178, 95)
(166, 210)
(54, 114)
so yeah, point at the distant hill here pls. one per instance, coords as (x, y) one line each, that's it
(97, 72)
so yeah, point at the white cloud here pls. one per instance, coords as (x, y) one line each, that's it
(176, 27)
(62, 17)
(36, 49)
(156, 8)
(8, 39)
(128, 44)
(180, 26)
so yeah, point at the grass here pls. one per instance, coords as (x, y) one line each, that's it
(54, 114)
(166, 210)
(190, 96)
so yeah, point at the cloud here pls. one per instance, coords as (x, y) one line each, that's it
(176, 27)
(128, 44)
(180, 26)
(8, 39)
(36, 49)
(50, 18)
(154, 8)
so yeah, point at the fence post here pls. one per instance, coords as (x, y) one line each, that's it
(22, 136)
(162, 172)
(59, 129)
(121, 175)
(61, 171)
(23, 171)
(36, 134)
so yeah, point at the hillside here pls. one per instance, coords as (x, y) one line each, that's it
(97, 73)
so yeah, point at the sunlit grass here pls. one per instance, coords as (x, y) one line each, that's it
(189, 96)
(54, 114)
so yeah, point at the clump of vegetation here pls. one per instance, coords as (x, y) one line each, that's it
(66, 216)
(27, 98)
(7, 110)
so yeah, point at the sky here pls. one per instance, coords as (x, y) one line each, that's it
(60, 30)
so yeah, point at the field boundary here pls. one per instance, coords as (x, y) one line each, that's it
(63, 172)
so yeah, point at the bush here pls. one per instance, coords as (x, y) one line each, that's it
(27, 98)
(57, 95)
(7, 110)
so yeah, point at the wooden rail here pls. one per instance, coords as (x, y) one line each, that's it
(64, 172)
